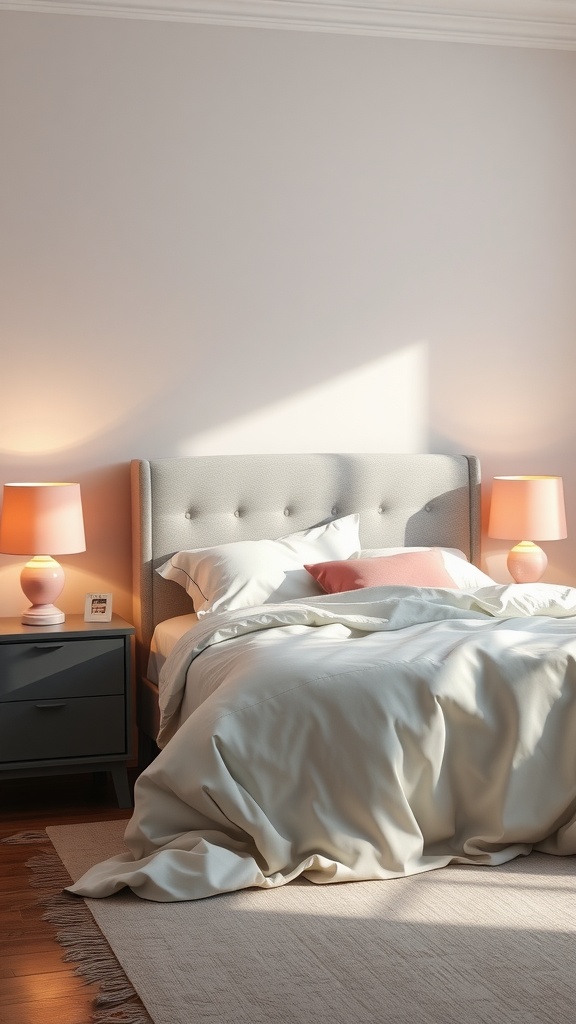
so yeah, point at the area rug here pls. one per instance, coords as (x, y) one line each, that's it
(462, 943)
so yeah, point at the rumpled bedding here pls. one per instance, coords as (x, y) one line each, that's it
(365, 735)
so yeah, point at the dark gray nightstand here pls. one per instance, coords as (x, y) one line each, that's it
(65, 699)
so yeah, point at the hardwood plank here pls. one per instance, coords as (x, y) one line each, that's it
(20, 965)
(9, 918)
(37, 987)
(16, 941)
(48, 1011)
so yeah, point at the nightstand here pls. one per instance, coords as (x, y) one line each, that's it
(65, 699)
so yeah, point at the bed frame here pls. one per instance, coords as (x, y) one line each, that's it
(199, 501)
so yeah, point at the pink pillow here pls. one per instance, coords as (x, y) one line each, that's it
(410, 569)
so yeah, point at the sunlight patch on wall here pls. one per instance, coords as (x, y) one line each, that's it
(380, 407)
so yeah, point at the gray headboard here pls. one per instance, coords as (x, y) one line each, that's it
(199, 501)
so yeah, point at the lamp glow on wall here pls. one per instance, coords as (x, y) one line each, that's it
(527, 507)
(42, 519)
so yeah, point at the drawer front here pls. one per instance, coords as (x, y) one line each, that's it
(61, 729)
(61, 668)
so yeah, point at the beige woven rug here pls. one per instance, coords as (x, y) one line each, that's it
(461, 944)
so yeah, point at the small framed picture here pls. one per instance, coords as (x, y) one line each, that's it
(98, 608)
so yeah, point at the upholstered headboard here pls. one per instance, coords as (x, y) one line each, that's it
(199, 501)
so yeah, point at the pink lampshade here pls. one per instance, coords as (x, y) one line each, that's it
(527, 508)
(42, 519)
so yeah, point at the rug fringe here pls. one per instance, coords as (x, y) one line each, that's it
(21, 838)
(117, 1002)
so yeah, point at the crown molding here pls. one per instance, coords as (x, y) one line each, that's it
(549, 24)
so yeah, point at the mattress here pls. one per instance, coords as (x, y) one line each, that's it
(165, 636)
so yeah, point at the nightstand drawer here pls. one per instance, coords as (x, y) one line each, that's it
(61, 668)
(59, 728)
(65, 699)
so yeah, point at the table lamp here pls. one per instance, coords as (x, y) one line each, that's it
(527, 506)
(42, 519)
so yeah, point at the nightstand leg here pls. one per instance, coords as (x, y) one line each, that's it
(121, 787)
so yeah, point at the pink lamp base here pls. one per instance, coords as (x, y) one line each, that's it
(526, 562)
(42, 580)
(42, 615)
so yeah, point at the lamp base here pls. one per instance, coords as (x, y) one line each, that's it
(42, 580)
(42, 615)
(526, 562)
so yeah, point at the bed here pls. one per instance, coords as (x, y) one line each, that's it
(336, 726)
(179, 503)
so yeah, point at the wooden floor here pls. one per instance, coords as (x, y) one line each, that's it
(36, 986)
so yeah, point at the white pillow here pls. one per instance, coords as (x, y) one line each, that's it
(465, 575)
(247, 573)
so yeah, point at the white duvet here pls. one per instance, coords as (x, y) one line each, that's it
(364, 735)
